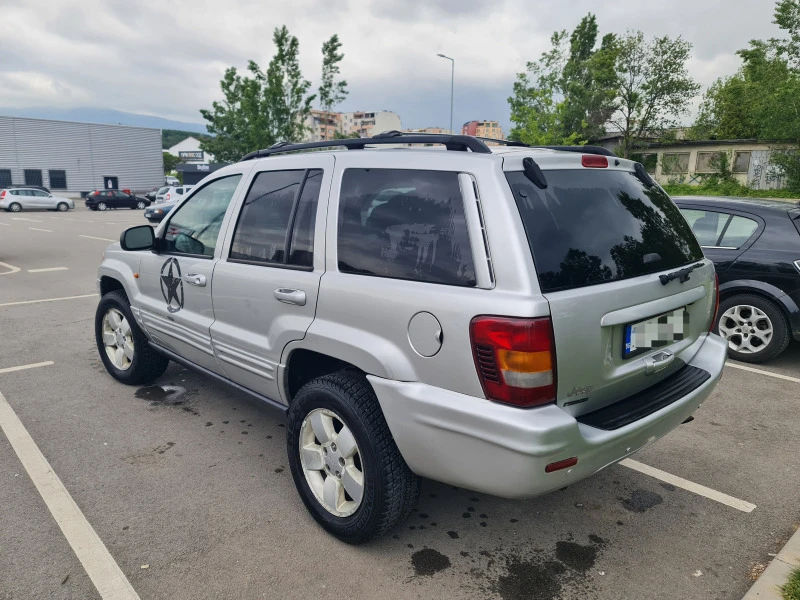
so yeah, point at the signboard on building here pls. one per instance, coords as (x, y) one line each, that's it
(191, 155)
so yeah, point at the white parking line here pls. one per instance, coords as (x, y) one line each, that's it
(104, 572)
(762, 372)
(5, 224)
(24, 219)
(23, 367)
(48, 269)
(11, 268)
(91, 237)
(689, 485)
(37, 229)
(46, 300)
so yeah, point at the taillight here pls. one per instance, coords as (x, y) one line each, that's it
(166, 198)
(594, 161)
(2, 194)
(515, 359)
(716, 303)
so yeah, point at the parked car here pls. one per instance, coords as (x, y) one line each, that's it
(29, 187)
(171, 181)
(172, 194)
(105, 199)
(755, 245)
(507, 319)
(151, 194)
(16, 199)
(155, 214)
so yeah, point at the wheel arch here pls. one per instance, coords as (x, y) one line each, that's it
(781, 299)
(302, 365)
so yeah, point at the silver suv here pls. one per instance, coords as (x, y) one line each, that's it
(508, 319)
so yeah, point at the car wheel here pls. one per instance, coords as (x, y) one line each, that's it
(101, 206)
(755, 328)
(141, 205)
(14, 207)
(62, 207)
(122, 346)
(344, 461)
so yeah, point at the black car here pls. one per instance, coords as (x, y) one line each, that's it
(755, 246)
(105, 199)
(156, 213)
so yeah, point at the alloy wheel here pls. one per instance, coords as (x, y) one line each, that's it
(118, 339)
(15, 207)
(747, 329)
(331, 462)
(141, 205)
(102, 206)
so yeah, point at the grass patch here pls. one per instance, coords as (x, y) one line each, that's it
(730, 188)
(791, 589)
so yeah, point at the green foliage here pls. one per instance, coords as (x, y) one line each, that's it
(340, 136)
(788, 164)
(331, 92)
(170, 160)
(726, 189)
(791, 589)
(170, 137)
(655, 87)
(260, 108)
(722, 172)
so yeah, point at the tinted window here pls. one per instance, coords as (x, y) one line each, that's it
(276, 200)
(404, 224)
(33, 177)
(590, 226)
(58, 179)
(163, 190)
(40, 193)
(707, 225)
(739, 231)
(194, 227)
(5, 177)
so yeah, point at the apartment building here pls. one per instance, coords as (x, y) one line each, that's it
(488, 129)
(324, 125)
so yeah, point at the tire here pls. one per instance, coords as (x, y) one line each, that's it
(390, 490)
(62, 207)
(101, 206)
(745, 320)
(14, 207)
(146, 364)
(141, 205)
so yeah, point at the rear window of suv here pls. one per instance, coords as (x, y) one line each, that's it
(590, 227)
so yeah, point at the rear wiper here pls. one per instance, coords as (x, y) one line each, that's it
(681, 275)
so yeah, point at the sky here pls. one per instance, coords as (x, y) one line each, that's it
(166, 58)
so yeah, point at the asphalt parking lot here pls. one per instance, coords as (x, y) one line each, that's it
(190, 492)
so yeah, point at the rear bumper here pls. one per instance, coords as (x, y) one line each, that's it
(501, 450)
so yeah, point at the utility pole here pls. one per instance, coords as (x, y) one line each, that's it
(452, 81)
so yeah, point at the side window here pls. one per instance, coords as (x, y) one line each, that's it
(179, 191)
(276, 224)
(740, 229)
(404, 224)
(40, 193)
(706, 225)
(194, 227)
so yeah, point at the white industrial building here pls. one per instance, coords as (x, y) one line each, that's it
(77, 158)
(189, 151)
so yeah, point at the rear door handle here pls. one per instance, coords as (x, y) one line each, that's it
(289, 296)
(195, 279)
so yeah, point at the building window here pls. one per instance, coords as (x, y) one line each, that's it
(675, 162)
(58, 179)
(5, 178)
(33, 177)
(708, 162)
(741, 162)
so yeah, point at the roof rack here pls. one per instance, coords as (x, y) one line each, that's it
(581, 149)
(459, 143)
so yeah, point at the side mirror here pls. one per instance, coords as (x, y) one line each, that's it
(140, 237)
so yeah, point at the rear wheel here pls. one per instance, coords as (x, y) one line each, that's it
(344, 461)
(122, 346)
(62, 207)
(14, 207)
(141, 205)
(102, 206)
(755, 328)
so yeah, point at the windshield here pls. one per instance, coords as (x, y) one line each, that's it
(594, 226)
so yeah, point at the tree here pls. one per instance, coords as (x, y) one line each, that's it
(260, 108)
(654, 87)
(170, 160)
(331, 92)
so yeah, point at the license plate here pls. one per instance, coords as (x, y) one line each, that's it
(655, 332)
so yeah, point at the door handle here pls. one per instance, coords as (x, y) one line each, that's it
(195, 279)
(289, 296)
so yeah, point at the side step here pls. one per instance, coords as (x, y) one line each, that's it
(648, 401)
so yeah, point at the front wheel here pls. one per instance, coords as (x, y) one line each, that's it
(62, 207)
(102, 206)
(141, 205)
(122, 346)
(755, 328)
(344, 461)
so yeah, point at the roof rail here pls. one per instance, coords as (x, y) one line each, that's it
(582, 149)
(504, 142)
(459, 143)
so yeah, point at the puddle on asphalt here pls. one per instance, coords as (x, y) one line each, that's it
(170, 395)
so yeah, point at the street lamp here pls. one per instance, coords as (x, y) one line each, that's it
(452, 79)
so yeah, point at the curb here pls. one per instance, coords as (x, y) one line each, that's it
(777, 573)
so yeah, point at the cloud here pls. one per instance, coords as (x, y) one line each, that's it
(166, 58)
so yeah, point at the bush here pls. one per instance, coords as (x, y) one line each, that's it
(728, 188)
(791, 590)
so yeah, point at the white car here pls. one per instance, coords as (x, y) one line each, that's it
(171, 180)
(15, 199)
(172, 194)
